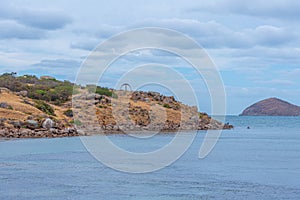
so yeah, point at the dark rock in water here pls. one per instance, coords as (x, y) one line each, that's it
(272, 107)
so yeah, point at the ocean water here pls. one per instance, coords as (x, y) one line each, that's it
(262, 162)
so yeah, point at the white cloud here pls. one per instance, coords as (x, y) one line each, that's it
(267, 35)
(36, 18)
(278, 9)
(212, 34)
(11, 29)
(61, 67)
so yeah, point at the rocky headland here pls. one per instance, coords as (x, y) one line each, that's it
(33, 108)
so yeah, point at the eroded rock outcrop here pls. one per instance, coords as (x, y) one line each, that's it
(140, 111)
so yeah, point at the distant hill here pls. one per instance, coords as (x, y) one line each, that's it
(272, 107)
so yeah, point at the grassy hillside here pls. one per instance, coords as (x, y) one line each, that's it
(14, 108)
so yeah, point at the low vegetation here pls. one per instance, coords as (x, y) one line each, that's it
(47, 89)
(100, 90)
(166, 105)
(76, 122)
(43, 106)
(69, 113)
(51, 90)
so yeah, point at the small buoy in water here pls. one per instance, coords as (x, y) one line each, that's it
(248, 127)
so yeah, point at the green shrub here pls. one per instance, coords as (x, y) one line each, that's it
(166, 105)
(69, 113)
(103, 91)
(43, 106)
(41, 92)
(76, 122)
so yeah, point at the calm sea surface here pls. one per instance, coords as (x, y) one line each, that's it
(262, 162)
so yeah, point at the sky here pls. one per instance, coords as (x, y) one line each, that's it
(254, 44)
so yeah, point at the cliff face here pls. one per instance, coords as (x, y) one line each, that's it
(272, 107)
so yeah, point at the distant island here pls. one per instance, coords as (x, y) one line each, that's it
(272, 107)
(32, 107)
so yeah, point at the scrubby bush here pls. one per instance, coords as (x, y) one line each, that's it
(69, 113)
(166, 105)
(76, 122)
(50, 90)
(103, 91)
(43, 106)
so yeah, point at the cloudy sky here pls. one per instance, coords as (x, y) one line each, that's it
(255, 44)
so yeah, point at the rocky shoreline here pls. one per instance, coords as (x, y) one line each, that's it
(37, 133)
(32, 128)
(49, 129)
(54, 132)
